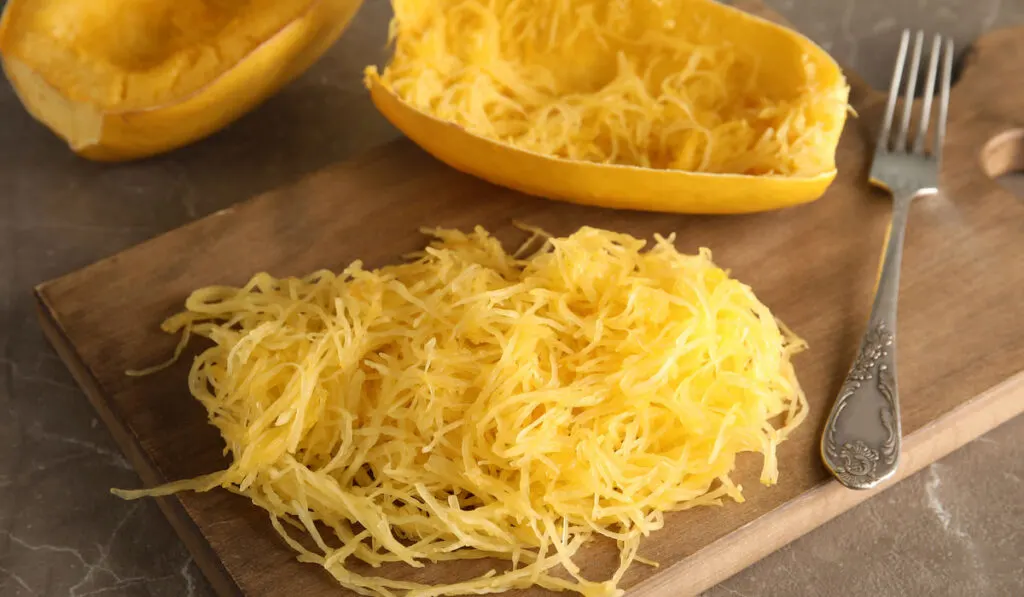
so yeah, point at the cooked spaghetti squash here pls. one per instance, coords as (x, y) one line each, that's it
(668, 105)
(474, 403)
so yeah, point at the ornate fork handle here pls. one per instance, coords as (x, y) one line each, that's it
(861, 442)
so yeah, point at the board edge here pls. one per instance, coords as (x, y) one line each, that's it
(199, 548)
(776, 529)
(372, 154)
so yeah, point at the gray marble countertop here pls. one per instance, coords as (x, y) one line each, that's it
(956, 528)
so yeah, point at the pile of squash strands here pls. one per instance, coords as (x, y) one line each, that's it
(471, 403)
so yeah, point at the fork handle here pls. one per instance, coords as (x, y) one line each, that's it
(861, 441)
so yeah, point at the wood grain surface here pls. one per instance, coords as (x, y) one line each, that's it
(960, 347)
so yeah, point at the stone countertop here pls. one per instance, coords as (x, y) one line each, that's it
(956, 528)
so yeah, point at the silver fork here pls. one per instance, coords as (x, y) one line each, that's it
(861, 441)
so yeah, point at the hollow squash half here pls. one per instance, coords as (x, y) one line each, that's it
(123, 79)
(660, 105)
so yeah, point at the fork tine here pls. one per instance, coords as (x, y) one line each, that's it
(929, 91)
(908, 102)
(894, 92)
(947, 79)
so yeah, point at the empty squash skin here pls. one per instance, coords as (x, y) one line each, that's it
(126, 79)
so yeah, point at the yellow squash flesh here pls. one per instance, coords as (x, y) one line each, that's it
(125, 79)
(455, 87)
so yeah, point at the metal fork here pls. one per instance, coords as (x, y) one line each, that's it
(861, 441)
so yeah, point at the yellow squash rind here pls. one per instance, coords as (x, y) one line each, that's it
(110, 133)
(612, 185)
(588, 183)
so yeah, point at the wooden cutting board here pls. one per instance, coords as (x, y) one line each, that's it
(961, 324)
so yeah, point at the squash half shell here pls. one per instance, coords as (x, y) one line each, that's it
(125, 79)
(636, 187)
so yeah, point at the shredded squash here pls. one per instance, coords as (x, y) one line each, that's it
(472, 403)
(664, 84)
